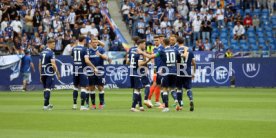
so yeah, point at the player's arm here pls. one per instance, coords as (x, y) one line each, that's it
(127, 61)
(89, 63)
(39, 67)
(139, 51)
(143, 62)
(32, 66)
(101, 43)
(54, 65)
(194, 69)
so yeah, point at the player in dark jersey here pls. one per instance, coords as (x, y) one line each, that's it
(185, 74)
(167, 70)
(80, 80)
(174, 45)
(157, 65)
(97, 57)
(47, 70)
(136, 61)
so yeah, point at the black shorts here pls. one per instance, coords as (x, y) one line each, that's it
(168, 81)
(80, 80)
(145, 81)
(184, 82)
(96, 80)
(136, 82)
(48, 82)
(158, 79)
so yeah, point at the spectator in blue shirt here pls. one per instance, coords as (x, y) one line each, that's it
(26, 66)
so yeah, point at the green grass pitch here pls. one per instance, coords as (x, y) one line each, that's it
(219, 112)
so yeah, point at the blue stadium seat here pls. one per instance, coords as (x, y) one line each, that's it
(214, 25)
(215, 30)
(235, 47)
(230, 25)
(214, 35)
(223, 35)
(242, 42)
(224, 30)
(265, 12)
(245, 47)
(260, 35)
(261, 41)
(250, 29)
(259, 29)
(247, 11)
(254, 47)
(270, 39)
(235, 42)
(251, 35)
(224, 41)
(264, 17)
(257, 12)
(226, 46)
(269, 34)
(265, 47)
(268, 28)
(266, 22)
(240, 11)
(272, 46)
(252, 40)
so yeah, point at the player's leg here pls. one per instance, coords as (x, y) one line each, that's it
(48, 85)
(188, 87)
(92, 95)
(83, 85)
(152, 89)
(137, 98)
(87, 97)
(100, 83)
(25, 81)
(146, 84)
(165, 97)
(172, 85)
(179, 93)
(75, 91)
(158, 82)
(157, 96)
(92, 92)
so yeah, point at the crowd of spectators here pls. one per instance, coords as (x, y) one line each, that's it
(28, 24)
(201, 22)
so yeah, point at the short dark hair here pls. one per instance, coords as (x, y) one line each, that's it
(166, 41)
(81, 38)
(135, 39)
(156, 37)
(161, 35)
(180, 40)
(141, 41)
(50, 41)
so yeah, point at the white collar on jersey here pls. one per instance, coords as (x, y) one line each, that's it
(49, 48)
(95, 48)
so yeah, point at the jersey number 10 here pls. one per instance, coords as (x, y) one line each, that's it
(170, 58)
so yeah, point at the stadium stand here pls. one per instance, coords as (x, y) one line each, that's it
(150, 17)
(28, 24)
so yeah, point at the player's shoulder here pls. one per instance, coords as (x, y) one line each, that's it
(101, 49)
